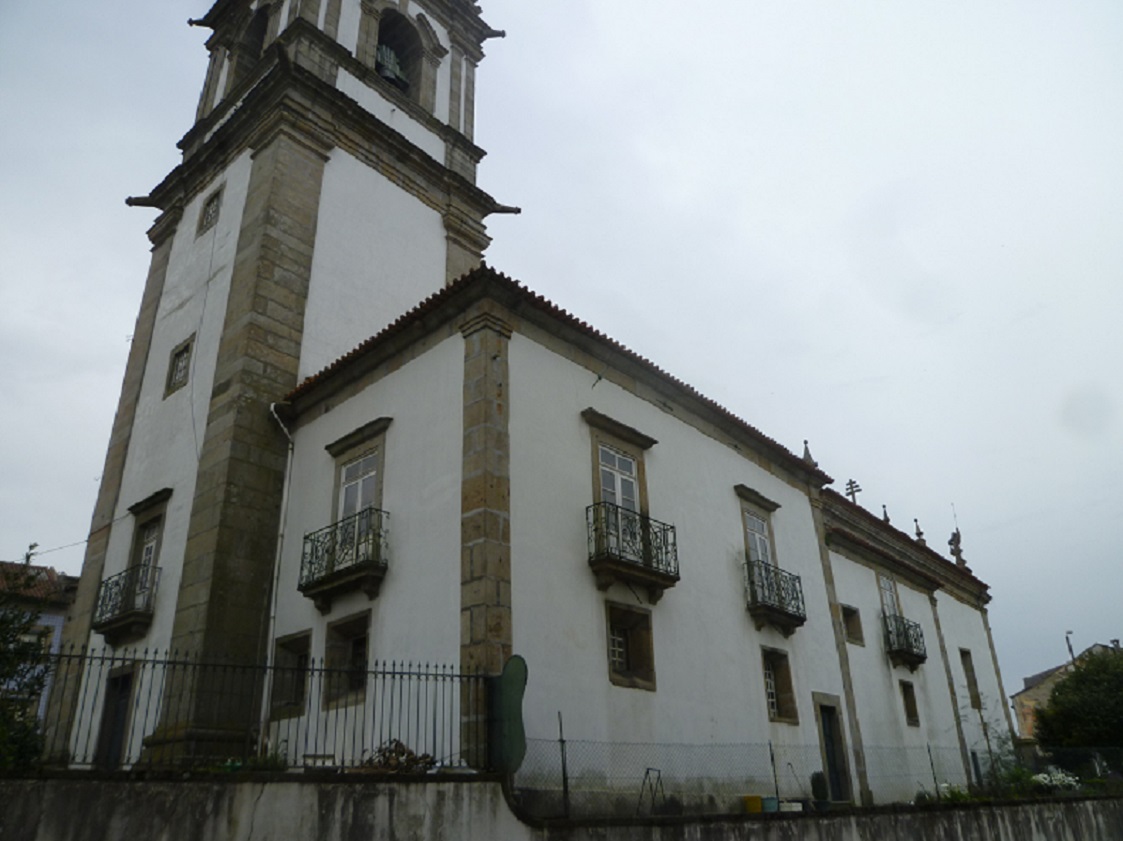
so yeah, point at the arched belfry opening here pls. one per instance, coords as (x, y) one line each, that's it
(250, 44)
(400, 53)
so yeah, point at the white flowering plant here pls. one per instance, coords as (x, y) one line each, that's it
(1056, 779)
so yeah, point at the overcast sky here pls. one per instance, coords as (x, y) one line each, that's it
(892, 228)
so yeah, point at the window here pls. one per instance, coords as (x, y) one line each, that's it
(208, 216)
(345, 660)
(179, 366)
(290, 675)
(146, 550)
(358, 459)
(143, 563)
(890, 605)
(972, 682)
(631, 656)
(778, 687)
(756, 537)
(852, 624)
(908, 695)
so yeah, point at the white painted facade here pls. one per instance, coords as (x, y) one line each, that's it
(378, 252)
(709, 691)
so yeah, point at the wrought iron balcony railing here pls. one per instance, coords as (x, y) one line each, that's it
(774, 596)
(125, 602)
(352, 554)
(627, 546)
(904, 641)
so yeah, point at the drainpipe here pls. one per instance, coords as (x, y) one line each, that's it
(266, 688)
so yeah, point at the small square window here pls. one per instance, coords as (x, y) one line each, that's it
(852, 625)
(631, 656)
(345, 661)
(778, 687)
(208, 216)
(179, 366)
(290, 675)
(972, 682)
(908, 695)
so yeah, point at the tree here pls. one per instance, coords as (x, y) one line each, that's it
(22, 671)
(1085, 709)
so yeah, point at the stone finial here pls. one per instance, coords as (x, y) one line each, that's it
(807, 455)
(885, 514)
(919, 533)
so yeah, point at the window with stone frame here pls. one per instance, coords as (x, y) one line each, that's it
(208, 214)
(345, 660)
(179, 365)
(968, 664)
(631, 653)
(778, 690)
(852, 624)
(291, 660)
(619, 487)
(908, 697)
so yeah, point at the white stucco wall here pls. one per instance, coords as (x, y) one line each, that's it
(896, 752)
(379, 252)
(707, 650)
(417, 614)
(964, 628)
(389, 113)
(168, 431)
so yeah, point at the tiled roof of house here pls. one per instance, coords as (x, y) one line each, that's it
(486, 281)
(33, 583)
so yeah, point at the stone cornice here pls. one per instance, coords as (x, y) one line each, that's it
(861, 533)
(287, 49)
(446, 310)
(288, 95)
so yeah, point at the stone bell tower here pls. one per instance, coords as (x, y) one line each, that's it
(327, 185)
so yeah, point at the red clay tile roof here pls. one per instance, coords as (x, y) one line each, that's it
(34, 583)
(485, 281)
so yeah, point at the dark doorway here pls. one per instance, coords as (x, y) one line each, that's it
(834, 753)
(114, 721)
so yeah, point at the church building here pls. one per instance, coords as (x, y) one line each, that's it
(343, 438)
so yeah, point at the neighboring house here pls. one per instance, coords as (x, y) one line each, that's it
(45, 594)
(307, 465)
(1037, 688)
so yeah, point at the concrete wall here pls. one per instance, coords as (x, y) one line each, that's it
(80, 810)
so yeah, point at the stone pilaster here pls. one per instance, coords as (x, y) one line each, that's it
(857, 748)
(222, 606)
(485, 519)
(485, 498)
(945, 660)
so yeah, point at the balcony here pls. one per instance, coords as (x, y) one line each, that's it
(349, 555)
(904, 642)
(124, 604)
(631, 548)
(775, 597)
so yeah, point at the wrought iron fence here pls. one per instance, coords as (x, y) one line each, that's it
(131, 591)
(904, 636)
(771, 586)
(131, 709)
(361, 538)
(619, 533)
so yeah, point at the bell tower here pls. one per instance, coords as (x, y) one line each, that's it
(327, 185)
